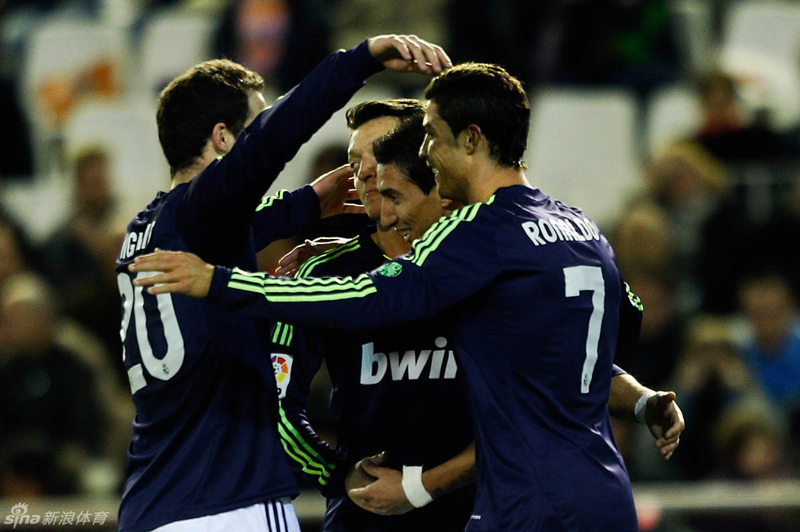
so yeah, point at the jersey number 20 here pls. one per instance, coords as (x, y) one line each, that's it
(163, 368)
(589, 278)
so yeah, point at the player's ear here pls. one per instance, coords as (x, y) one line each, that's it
(471, 136)
(221, 138)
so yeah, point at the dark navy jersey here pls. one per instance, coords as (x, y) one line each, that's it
(534, 291)
(204, 437)
(395, 389)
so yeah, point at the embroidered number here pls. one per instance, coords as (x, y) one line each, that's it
(588, 278)
(166, 366)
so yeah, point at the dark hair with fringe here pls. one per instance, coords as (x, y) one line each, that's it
(401, 147)
(400, 108)
(489, 97)
(188, 108)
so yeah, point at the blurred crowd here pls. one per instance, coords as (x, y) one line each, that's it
(718, 276)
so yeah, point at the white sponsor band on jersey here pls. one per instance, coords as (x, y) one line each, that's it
(409, 365)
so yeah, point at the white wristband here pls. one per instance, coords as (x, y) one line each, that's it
(415, 491)
(640, 408)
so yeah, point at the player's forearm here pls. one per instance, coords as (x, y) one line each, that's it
(455, 473)
(284, 214)
(307, 452)
(625, 392)
(353, 303)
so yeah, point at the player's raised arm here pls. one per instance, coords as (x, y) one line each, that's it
(437, 274)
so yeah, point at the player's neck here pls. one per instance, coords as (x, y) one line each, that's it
(188, 173)
(490, 178)
(391, 242)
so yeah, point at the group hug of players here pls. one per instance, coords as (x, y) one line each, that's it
(472, 365)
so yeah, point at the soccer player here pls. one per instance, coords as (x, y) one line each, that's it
(385, 397)
(532, 290)
(205, 452)
(396, 389)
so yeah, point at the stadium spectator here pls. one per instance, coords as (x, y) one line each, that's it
(688, 184)
(773, 349)
(17, 254)
(712, 379)
(80, 252)
(750, 445)
(47, 392)
(725, 131)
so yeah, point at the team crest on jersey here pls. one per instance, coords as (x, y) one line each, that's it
(282, 366)
(391, 269)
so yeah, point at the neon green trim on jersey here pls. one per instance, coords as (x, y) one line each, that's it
(301, 459)
(633, 298)
(283, 334)
(302, 290)
(288, 335)
(306, 457)
(267, 202)
(276, 332)
(310, 264)
(434, 236)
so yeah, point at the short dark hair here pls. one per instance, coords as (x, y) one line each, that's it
(400, 108)
(489, 97)
(188, 108)
(401, 147)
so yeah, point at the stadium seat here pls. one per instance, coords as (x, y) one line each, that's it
(672, 112)
(761, 46)
(68, 60)
(128, 131)
(694, 26)
(583, 148)
(172, 41)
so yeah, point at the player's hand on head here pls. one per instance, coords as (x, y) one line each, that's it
(290, 263)
(334, 190)
(409, 53)
(175, 272)
(665, 420)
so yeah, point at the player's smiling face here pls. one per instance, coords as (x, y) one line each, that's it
(441, 153)
(406, 208)
(362, 160)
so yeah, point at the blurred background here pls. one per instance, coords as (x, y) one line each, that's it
(675, 124)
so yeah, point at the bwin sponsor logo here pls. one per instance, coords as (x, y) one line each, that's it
(411, 365)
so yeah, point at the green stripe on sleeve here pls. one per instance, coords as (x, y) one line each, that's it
(306, 457)
(311, 263)
(267, 202)
(436, 234)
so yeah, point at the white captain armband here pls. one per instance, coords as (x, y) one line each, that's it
(415, 491)
(641, 407)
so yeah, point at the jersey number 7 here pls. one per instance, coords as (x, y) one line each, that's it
(589, 278)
